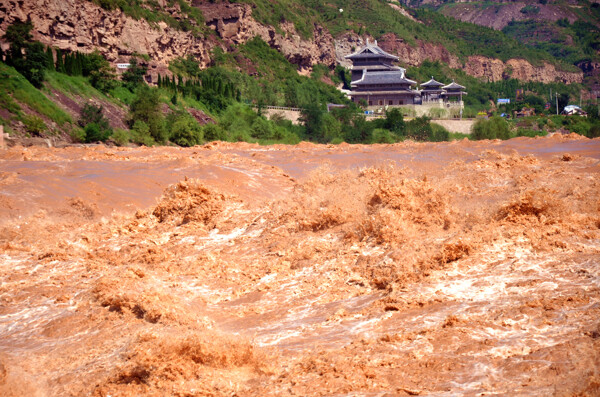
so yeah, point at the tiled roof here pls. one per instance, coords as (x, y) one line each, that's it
(432, 83)
(383, 78)
(453, 86)
(371, 50)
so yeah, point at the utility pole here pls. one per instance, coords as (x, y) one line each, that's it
(557, 103)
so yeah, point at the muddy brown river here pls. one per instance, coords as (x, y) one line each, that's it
(432, 269)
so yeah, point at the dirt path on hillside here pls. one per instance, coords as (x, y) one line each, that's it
(462, 268)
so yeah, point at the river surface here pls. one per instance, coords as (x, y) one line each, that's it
(433, 269)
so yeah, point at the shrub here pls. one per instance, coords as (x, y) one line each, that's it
(214, 132)
(439, 133)
(140, 134)
(77, 134)
(34, 125)
(186, 131)
(594, 131)
(94, 133)
(419, 129)
(381, 135)
(92, 115)
(494, 128)
(121, 137)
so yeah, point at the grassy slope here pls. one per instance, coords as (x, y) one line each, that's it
(16, 92)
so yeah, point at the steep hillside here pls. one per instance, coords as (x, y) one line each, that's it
(305, 32)
(569, 31)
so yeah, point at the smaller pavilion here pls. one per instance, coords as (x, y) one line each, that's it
(453, 92)
(431, 91)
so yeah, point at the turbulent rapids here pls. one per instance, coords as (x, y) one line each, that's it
(462, 268)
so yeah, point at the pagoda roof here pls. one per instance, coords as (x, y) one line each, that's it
(391, 77)
(371, 50)
(453, 86)
(432, 83)
(378, 68)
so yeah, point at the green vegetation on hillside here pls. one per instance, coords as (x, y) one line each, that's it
(572, 43)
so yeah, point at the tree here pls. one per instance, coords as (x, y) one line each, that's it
(18, 35)
(146, 107)
(94, 123)
(28, 57)
(49, 59)
(311, 116)
(419, 129)
(102, 75)
(134, 75)
(394, 121)
(60, 65)
(186, 131)
(33, 66)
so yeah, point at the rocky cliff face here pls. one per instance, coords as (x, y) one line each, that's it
(76, 25)
(234, 24)
(80, 25)
(496, 70)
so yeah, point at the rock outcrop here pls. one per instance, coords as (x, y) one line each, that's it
(496, 70)
(235, 25)
(415, 55)
(75, 25)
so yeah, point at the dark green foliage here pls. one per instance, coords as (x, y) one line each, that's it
(214, 132)
(60, 65)
(494, 128)
(134, 75)
(311, 116)
(94, 123)
(438, 133)
(594, 131)
(145, 107)
(33, 65)
(26, 55)
(394, 121)
(18, 35)
(184, 129)
(343, 76)
(419, 129)
(49, 59)
(102, 76)
(94, 133)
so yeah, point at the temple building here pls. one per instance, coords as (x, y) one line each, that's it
(380, 83)
(377, 81)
